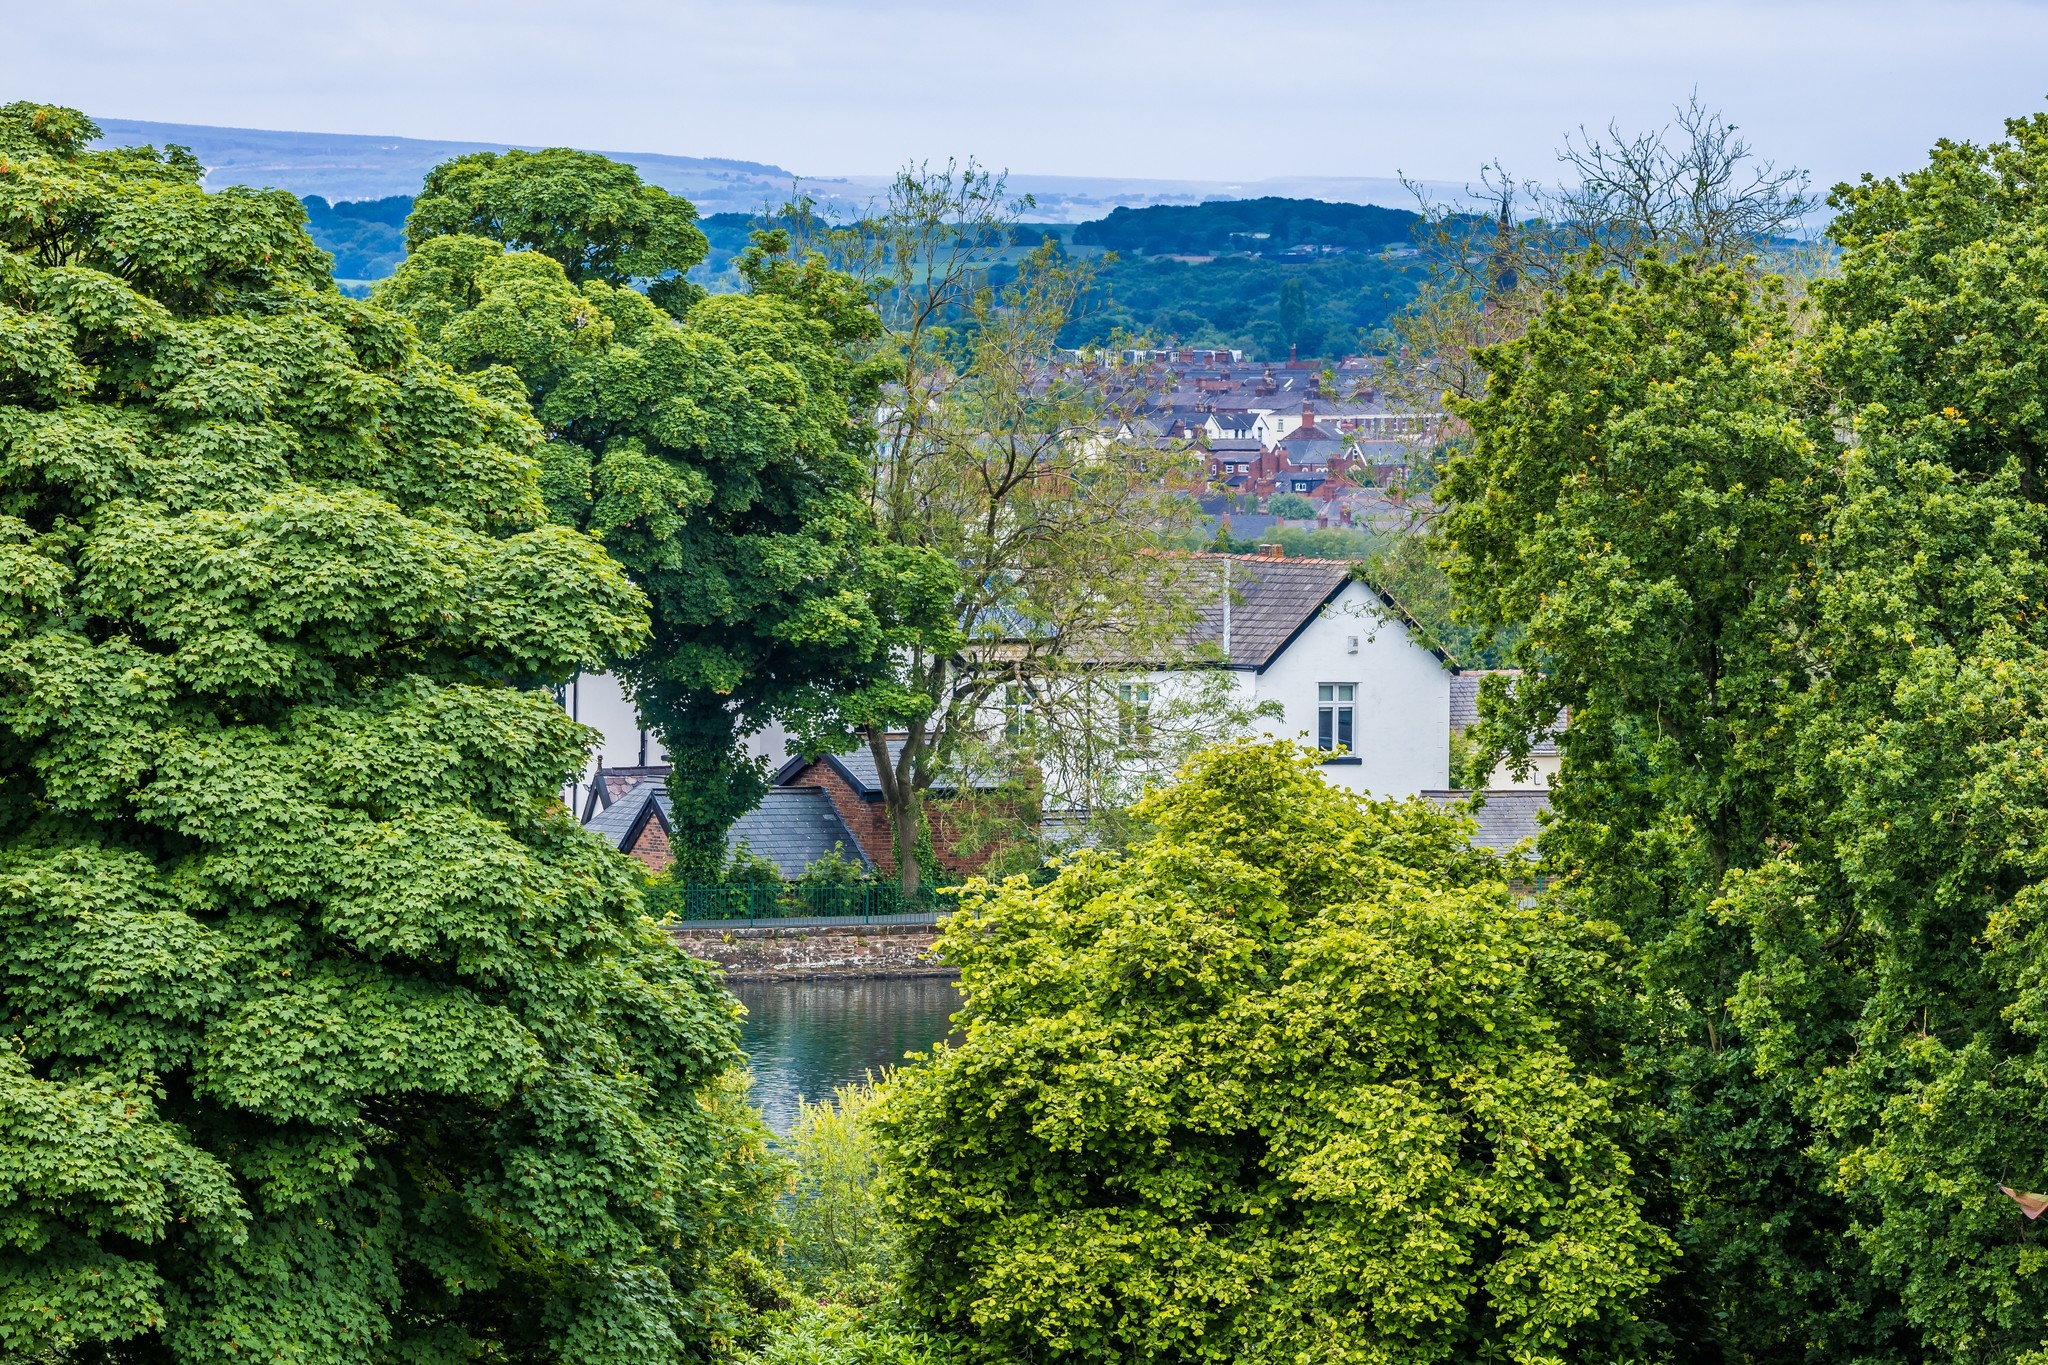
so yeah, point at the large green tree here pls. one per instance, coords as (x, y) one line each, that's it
(325, 1034)
(1643, 491)
(591, 215)
(1012, 515)
(1789, 577)
(722, 458)
(1298, 1078)
(1923, 757)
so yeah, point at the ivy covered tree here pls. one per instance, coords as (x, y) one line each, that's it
(325, 1034)
(721, 458)
(1297, 1078)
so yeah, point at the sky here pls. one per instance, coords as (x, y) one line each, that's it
(1126, 88)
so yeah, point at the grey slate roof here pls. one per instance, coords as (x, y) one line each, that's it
(793, 827)
(1506, 817)
(616, 821)
(610, 784)
(1272, 600)
(858, 768)
(1465, 709)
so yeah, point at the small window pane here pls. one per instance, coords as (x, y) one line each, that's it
(1325, 692)
(1325, 739)
(1344, 691)
(1344, 726)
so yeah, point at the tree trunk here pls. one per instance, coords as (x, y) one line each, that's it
(905, 825)
(900, 800)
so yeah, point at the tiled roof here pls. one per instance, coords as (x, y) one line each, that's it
(616, 821)
(1465, 709)
(1505, 817)
(1272, 600)
(857, 766)
(613, 783)
(1307, 435)
(793, 827)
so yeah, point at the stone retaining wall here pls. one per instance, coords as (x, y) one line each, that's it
(778, 954)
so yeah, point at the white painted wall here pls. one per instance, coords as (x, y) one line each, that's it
(1402, 722)
(599, 700)
(1542, 772)
(1403, 718)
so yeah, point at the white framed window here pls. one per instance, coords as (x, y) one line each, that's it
(1334, 710)
(1134, 713)
(1019, 706)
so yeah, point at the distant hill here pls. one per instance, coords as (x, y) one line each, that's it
(352, 166)
(1262, 227)
(358, 190)
(1241, 299)
(347, 166)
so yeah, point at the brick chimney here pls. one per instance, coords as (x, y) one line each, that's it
(1308, 414)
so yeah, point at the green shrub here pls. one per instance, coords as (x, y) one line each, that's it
(846, 1334)
(1294, 1079)
(1290, 507)
(835, 869)
(836, 1234)
(744, 867)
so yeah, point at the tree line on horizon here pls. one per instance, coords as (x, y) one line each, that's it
(1250, 300)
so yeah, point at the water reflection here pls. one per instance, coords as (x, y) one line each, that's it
(805, 1037)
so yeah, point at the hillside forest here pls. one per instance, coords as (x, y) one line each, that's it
(1264, 276)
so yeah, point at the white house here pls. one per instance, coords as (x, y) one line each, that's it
(1345, 668)
(1350, 673)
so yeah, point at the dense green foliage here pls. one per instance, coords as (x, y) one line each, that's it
(1243, 301)
(365, 237)
(1788, 577)
(325, 1034)
(1642, 493)
(721, 458)
(1323, 307)
(1260, 226)
(591, 215)
(1296, 1078)
(837, 1242)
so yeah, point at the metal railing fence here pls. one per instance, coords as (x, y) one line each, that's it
(862, 902)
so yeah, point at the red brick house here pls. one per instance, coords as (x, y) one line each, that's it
(854, 787)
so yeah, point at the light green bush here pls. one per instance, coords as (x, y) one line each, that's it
(836, 1234)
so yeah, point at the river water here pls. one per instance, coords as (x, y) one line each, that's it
(805, 1037)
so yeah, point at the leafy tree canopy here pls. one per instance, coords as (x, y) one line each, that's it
(591, 215)
(722, 459)
(1298, 1078)
(1256, 226)
(1787, 575)
(1642, 492)
(328, 1036)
